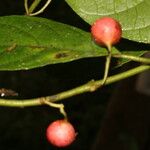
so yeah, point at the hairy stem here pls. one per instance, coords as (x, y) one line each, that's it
(76, 91)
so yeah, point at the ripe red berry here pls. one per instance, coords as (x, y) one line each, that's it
(106, 31)
(60, 133)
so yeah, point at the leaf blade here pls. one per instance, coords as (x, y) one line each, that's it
(31, 42)
(134, 16)
(36, 42)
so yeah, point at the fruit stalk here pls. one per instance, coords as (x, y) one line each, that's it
(106, 32)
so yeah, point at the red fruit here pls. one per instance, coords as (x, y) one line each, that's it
(106, 31)
(60, 133)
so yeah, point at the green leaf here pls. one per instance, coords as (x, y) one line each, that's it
(134, 15)
(29, 42)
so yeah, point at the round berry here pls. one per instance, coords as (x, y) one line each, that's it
(60, 133)
(106, 31)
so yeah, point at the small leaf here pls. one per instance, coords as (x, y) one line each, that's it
(134, 16)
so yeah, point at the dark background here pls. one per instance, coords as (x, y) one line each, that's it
(113, 108)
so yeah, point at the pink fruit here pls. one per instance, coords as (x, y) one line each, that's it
(106, 31)
(60, 133)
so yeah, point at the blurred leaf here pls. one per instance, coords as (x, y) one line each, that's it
(134, 16)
